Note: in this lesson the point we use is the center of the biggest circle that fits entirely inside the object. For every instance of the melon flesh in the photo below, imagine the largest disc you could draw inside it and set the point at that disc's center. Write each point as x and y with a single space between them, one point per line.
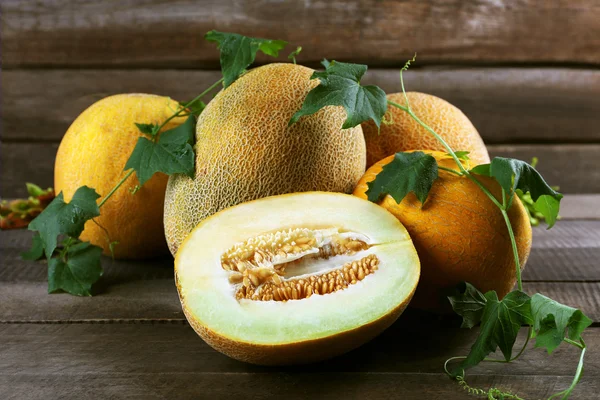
281 331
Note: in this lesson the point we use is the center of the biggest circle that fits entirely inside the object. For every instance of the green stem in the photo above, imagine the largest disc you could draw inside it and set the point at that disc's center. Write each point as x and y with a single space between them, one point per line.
189 103
118 185
496 360
513 243
574 343
438 137
450 170
566 393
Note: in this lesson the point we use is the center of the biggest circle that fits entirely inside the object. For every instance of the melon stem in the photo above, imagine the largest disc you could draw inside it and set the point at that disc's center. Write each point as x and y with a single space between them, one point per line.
117 186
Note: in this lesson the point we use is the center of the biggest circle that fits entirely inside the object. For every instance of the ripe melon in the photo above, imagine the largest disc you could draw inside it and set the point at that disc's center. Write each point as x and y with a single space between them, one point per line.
459 233
403 133
245 149
94 151
295 278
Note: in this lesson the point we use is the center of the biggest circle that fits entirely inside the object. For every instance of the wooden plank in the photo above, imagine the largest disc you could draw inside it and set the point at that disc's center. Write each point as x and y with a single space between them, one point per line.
567 252
156 361
156 300
507 105
575 168
580 206
277 386
158 33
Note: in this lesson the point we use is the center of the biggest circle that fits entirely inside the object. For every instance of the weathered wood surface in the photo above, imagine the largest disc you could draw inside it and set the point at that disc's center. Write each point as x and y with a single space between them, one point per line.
132 341
507 105
563 265
158 33
575 168
170 361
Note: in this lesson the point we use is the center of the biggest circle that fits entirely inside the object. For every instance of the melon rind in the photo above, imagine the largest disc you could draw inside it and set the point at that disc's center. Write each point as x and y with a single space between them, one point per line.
270 332
245 149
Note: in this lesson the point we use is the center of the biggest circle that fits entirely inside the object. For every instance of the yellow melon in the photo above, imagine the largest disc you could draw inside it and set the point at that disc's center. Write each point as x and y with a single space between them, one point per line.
460 235
94 151
403 133
245 149
295 278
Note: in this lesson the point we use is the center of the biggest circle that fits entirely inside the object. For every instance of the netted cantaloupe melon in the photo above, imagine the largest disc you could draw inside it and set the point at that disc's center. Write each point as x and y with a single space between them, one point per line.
245 149
459 233
295 278
402 133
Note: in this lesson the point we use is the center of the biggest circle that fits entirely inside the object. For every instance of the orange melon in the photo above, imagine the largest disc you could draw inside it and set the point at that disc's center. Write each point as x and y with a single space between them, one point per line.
459 234
403 133
94 151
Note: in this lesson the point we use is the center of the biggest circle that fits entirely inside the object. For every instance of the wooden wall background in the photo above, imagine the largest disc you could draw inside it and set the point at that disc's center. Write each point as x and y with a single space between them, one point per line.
525 71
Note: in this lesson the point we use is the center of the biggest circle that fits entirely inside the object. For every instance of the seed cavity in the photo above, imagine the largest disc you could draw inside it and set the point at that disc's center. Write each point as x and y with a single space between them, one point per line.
257 267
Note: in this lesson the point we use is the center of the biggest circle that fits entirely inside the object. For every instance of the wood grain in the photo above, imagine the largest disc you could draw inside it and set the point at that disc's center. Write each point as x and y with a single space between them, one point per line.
575 168
278 385
507 105
567 252
157 361
563 265
157 33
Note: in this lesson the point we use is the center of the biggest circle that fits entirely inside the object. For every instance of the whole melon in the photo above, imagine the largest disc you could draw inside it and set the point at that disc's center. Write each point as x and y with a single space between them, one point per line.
403 133
245 149
94 151
459 234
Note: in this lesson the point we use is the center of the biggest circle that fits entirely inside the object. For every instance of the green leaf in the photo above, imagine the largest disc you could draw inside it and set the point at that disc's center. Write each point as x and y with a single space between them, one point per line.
195 108
34 190
171 154
65 218
469 304
514 174
553 321
461 155
340 86
76 271
294 54
37 249
500 325
238 52
407 172
148 129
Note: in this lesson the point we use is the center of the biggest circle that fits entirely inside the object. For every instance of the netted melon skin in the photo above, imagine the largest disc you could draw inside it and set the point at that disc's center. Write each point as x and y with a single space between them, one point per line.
403 133
245 149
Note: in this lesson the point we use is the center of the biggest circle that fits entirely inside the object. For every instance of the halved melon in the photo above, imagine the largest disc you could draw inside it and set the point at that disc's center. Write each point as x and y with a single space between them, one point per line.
295 278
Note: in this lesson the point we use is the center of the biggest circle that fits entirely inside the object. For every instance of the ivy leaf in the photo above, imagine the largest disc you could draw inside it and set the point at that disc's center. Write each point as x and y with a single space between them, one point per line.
407 172
461 155
65 218
469 304
148 129
195 108
514 174
171 154
37 249
340 86
76 271
292 56
553 321
238 52
34 190
500 325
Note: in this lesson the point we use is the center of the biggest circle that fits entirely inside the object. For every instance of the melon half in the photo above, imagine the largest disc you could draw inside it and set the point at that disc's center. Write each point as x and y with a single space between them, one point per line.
295 278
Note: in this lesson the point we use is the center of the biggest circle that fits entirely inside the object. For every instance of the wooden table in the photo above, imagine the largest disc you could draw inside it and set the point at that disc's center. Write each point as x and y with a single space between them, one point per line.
132 341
